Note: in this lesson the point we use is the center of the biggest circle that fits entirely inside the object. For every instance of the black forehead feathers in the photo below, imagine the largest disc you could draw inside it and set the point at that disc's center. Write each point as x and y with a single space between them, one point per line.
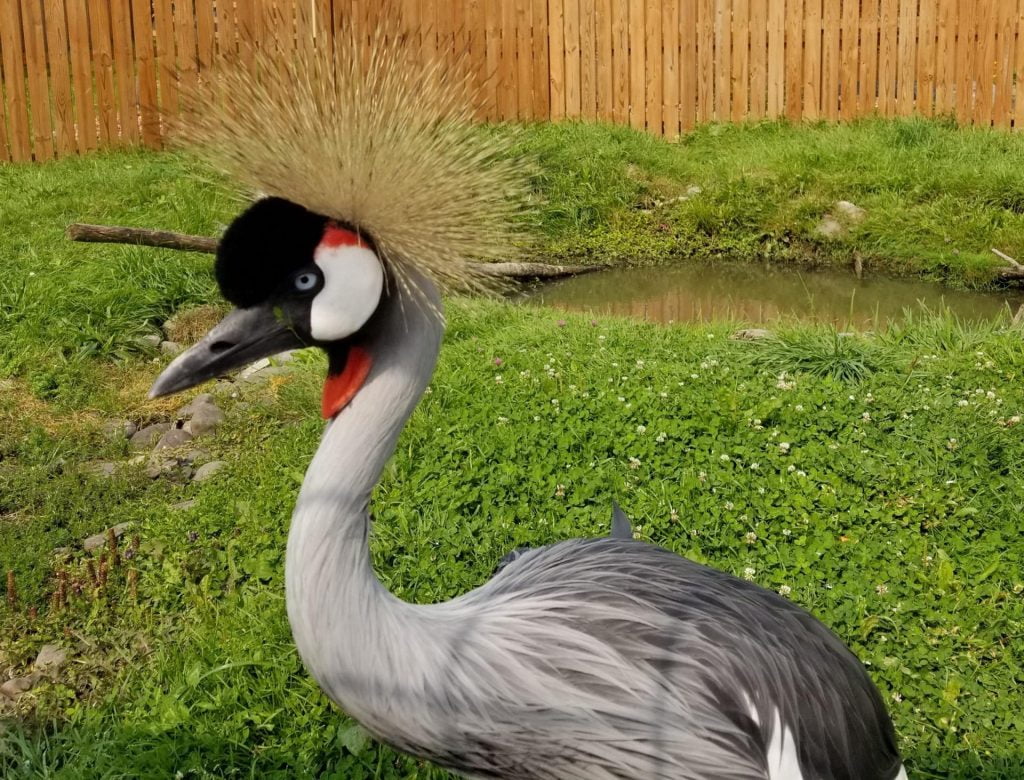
266 243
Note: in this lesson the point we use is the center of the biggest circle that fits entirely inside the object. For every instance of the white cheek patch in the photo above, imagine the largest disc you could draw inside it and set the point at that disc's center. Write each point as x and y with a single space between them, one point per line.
353 282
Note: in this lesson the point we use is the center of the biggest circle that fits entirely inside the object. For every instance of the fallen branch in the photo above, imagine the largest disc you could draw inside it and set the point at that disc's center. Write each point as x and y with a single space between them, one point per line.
1014 271
166 239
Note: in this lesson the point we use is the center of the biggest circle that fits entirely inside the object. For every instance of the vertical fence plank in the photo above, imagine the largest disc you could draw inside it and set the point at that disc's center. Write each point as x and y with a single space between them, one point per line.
758 58
812 59
776 57
5 143
723 60
966 46
38 91
524 59
60 77
907 35
185 37
670 68
637 65
945 57
507 63
540 58
1005 45
145 64
588 59
654 64
888 26
206 36
124 58
167 73
605 59
830 56
556 50
849 44
19 132
227 27
927 31
794 58
620 61
984 65
1018 98
706 60
687 64
740 59
81 75
573 60
868 69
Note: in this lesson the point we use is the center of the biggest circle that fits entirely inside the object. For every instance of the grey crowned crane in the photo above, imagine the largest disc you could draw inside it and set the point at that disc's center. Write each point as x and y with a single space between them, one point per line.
590 658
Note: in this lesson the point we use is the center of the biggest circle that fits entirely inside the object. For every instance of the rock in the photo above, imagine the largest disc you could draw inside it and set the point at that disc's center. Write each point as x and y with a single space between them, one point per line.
283 357
829 227
171 348
12 689
253 369
96 541
264 374
173 468
175 437
195 456
206 471
752 334
50 659
103 468
183 506
190 408
149 341
148 436
204 419
851 212
116 429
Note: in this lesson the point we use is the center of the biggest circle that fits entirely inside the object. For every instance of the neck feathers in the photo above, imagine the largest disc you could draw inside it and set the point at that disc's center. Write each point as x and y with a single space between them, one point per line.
349 630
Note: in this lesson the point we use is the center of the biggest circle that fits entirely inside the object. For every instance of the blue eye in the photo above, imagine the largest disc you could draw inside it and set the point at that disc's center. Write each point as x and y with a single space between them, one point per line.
306 281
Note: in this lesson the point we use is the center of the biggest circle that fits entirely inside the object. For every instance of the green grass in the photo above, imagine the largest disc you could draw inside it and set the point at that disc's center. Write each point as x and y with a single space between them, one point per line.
895 514
937 197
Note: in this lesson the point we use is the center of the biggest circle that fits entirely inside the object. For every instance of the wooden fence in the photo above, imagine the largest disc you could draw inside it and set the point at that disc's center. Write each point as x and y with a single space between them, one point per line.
81 74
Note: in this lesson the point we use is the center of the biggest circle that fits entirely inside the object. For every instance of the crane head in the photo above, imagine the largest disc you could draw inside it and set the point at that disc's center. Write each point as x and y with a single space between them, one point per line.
297 279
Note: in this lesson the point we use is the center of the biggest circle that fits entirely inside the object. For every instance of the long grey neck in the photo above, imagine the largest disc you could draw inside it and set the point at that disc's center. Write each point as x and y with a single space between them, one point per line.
349 629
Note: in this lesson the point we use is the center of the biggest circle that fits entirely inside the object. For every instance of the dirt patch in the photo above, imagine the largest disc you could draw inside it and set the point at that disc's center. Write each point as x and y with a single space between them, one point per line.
188 326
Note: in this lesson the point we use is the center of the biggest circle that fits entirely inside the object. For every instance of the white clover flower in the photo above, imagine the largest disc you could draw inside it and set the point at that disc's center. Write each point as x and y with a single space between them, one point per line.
785 590
750 537
536 418
729 506
673 516
498 379
963 402
784 447
755 466
663 394
1015 420
502 420
786 532
634 463
641 429
639 364
791 468
801 473
554 402
749 572
990 395
881 590
559 491
724 458
660 438
896 697
866 416
622 399
799 407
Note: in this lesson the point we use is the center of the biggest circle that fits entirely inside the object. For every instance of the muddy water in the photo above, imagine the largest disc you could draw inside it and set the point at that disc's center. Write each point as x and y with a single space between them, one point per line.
755 294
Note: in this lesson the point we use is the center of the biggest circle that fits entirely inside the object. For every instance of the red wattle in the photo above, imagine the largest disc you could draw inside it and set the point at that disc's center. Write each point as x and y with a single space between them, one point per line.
341 388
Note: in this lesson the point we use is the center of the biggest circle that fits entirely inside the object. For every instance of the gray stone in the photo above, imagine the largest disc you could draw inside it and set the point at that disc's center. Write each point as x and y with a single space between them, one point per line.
103 468
283 357
196 456
115 429
50 658
254 369
148 436
264 374
851 212
12 689
175 437
96 541
752 334
149 341
200 400
830 227
171 348
183 506
206 471
172 468
204 419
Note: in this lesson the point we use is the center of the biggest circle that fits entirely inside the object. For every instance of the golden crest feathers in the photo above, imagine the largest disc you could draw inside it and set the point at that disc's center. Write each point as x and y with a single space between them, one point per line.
354 127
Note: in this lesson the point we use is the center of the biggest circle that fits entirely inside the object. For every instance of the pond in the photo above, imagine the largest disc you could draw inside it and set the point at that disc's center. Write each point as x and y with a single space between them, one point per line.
758 294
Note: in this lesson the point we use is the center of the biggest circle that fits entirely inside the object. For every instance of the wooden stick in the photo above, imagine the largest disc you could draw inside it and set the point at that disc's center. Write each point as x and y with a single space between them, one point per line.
1007 258
166 239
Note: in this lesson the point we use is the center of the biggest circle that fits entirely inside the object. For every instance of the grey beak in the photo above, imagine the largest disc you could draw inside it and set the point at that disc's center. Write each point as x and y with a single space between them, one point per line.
242 337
